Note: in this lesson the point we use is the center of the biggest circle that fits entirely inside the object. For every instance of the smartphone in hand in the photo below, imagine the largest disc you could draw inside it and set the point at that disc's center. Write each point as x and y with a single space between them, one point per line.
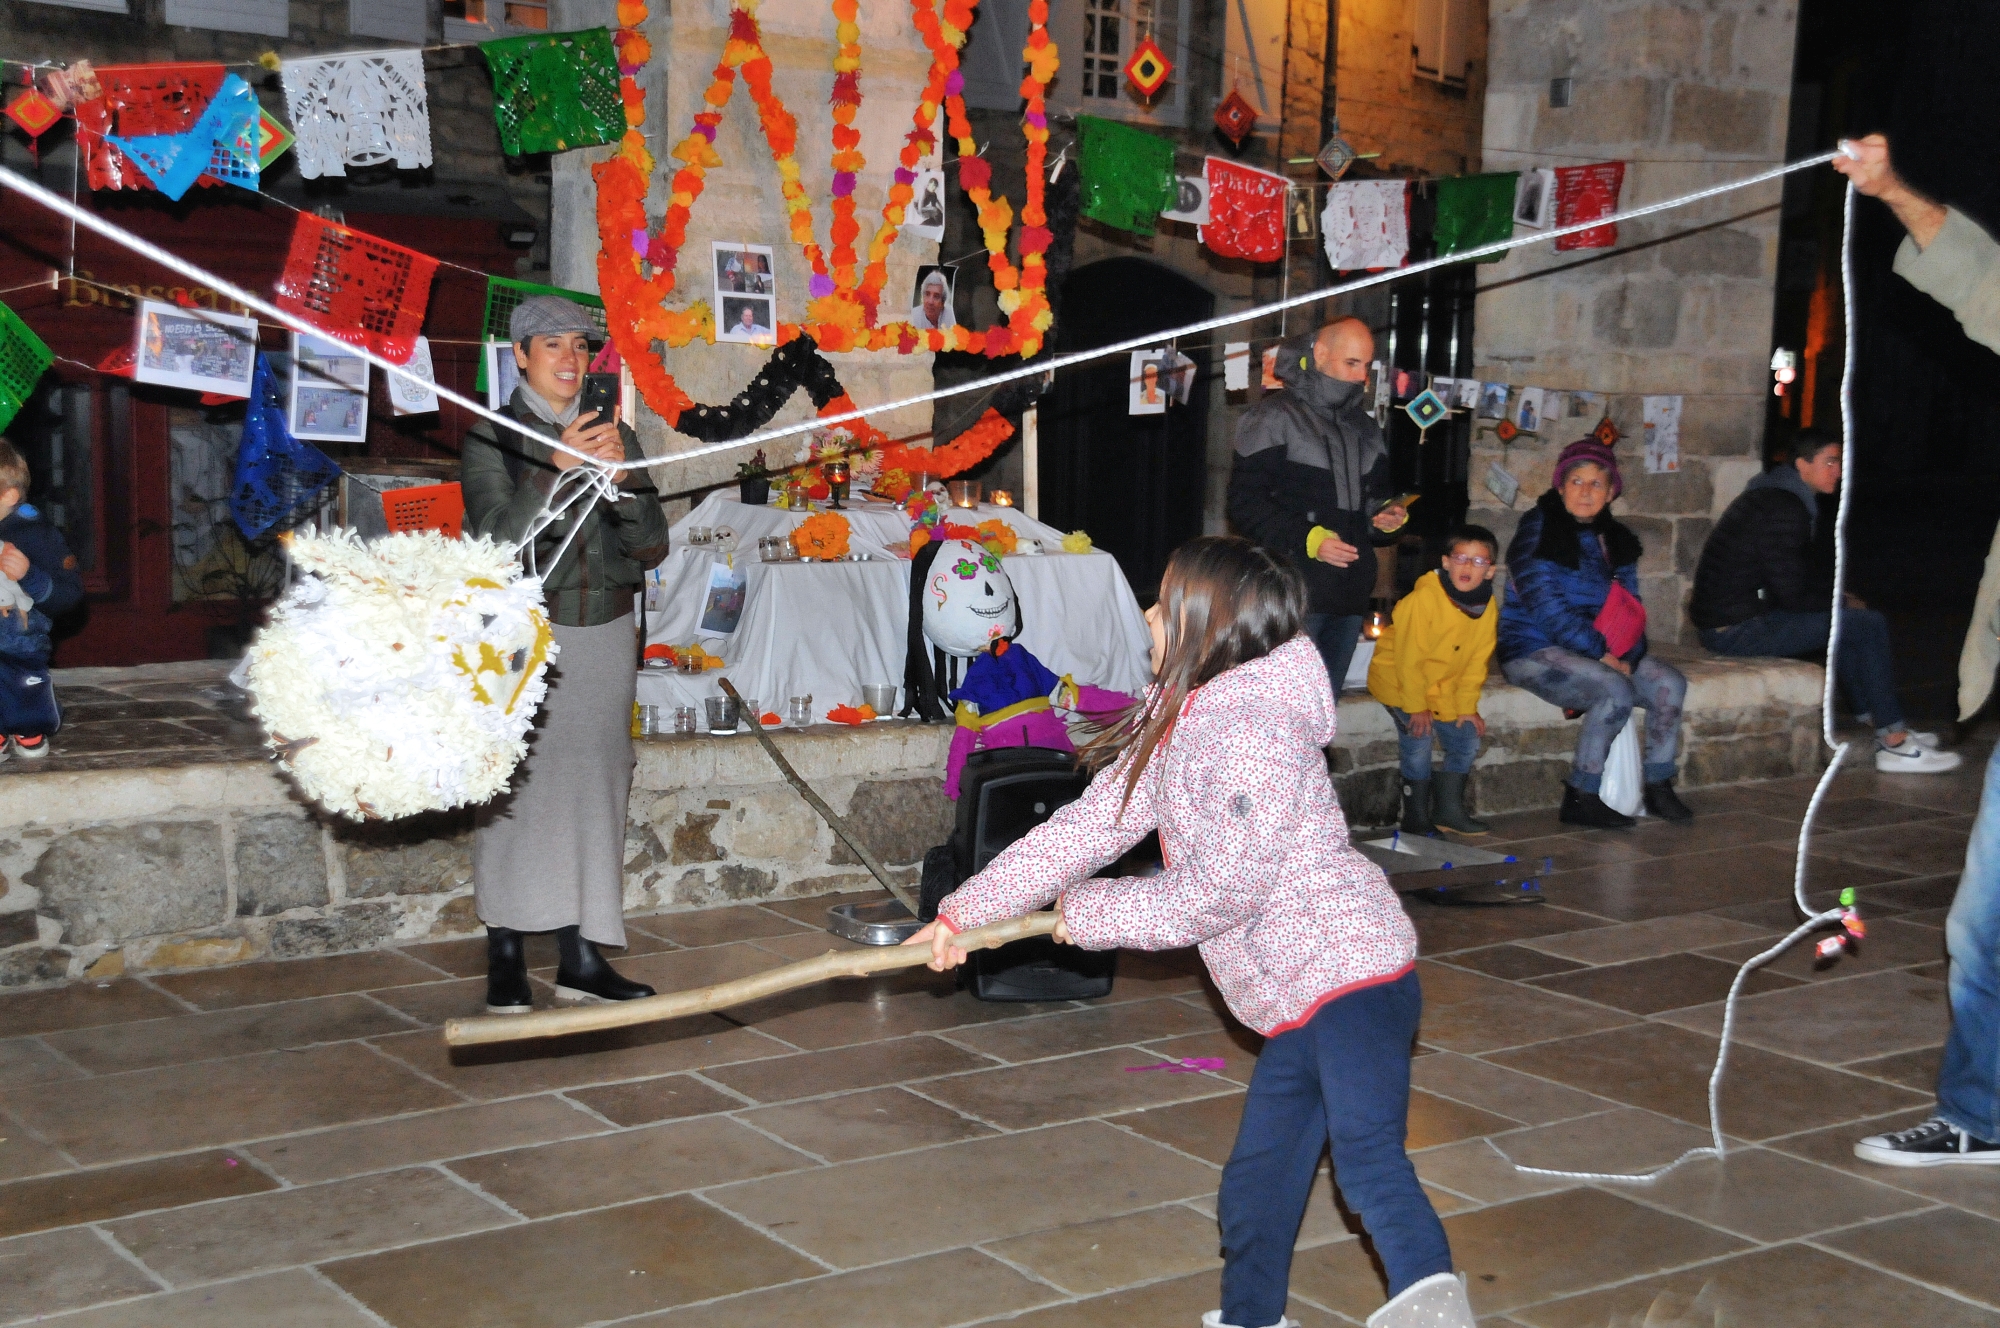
600 394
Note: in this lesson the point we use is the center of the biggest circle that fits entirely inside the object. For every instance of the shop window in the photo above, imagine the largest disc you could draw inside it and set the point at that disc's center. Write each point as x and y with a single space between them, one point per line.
61 432
397 20
482 20
271 18
100 6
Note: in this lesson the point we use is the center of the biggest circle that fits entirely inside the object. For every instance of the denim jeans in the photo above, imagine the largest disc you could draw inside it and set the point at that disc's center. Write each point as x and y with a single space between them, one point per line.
1969 1078
1459 739
1345 1074
1606 697
1336 635
1863 667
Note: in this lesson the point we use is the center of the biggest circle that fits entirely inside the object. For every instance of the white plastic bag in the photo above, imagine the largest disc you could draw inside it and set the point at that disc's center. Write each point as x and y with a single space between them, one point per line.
1624 780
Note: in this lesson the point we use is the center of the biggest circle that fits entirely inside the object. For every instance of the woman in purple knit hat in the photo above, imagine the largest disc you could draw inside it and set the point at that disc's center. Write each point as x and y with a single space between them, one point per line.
1573 632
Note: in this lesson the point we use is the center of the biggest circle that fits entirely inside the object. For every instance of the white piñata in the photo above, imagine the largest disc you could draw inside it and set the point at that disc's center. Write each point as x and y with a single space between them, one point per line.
401 675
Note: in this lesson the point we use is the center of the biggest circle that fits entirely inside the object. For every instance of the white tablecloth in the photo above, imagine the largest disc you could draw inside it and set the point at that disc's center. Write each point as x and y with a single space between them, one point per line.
825 629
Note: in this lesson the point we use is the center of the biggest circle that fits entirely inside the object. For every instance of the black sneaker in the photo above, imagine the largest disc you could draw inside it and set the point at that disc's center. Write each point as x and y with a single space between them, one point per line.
1935 1143
1663 802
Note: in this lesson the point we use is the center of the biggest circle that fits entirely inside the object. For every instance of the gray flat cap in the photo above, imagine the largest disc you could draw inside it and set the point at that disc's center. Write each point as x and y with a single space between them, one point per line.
547 316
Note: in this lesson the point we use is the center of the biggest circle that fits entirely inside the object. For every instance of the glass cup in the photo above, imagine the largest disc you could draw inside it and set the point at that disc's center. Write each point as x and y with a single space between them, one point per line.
964 493
879 697
722 713
649 720
686 719
748 711
799 711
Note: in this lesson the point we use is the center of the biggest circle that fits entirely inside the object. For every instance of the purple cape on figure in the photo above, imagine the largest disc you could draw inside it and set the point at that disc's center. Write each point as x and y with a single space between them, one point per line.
1005 701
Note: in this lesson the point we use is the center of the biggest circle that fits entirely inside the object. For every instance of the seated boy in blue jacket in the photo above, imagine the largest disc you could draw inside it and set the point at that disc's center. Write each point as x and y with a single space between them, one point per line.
38 582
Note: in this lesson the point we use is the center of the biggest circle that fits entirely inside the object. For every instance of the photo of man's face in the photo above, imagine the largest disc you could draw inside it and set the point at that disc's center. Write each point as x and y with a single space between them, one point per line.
933 300
1149 382
748 320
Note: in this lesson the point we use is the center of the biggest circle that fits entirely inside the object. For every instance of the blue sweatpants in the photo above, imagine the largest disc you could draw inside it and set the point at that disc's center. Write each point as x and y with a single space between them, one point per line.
1344 1077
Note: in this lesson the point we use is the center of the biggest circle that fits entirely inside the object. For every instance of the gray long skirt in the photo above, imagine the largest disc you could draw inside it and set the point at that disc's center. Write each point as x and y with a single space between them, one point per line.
551 852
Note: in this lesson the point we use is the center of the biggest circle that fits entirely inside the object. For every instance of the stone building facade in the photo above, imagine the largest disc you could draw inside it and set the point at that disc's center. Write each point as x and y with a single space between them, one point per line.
1687 96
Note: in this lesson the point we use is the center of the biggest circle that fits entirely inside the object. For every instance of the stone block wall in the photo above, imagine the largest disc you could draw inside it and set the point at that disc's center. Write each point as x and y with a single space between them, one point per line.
175 867
1745 719
1687 96
187 866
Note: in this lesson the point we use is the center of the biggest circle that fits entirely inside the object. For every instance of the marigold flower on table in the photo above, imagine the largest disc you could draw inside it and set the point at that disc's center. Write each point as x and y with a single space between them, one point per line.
823 535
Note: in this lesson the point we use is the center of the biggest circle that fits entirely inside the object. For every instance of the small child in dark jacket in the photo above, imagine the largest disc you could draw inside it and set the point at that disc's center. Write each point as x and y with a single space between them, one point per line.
38 582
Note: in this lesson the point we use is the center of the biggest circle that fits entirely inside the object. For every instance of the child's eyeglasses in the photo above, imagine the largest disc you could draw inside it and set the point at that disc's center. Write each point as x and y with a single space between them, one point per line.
1468 560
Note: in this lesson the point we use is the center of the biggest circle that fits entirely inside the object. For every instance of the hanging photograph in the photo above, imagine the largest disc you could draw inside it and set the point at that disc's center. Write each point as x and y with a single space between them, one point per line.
502 374
1555 409
1179 377
1268 370
746 318
198 349
1148 392
1528 411
742 269
409 396
1465 394
1586 406
329 397
1190 200
1492 401
1535 199
930 305
925 216
1236 366
1662 417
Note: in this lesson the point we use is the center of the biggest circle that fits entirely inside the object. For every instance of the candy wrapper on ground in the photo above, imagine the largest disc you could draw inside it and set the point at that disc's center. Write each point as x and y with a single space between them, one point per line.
401 675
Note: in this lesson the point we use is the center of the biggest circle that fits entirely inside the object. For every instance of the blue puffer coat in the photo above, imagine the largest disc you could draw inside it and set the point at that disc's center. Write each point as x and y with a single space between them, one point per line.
1558 573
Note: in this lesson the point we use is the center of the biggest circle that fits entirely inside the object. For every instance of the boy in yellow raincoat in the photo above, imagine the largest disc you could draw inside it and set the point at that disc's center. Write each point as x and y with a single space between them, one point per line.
1428 669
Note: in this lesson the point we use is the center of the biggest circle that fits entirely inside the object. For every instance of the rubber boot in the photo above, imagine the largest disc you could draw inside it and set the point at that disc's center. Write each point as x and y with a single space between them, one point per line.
507 989
583 974
1448 806
1663 802
1417 808
1587 809
1439 1301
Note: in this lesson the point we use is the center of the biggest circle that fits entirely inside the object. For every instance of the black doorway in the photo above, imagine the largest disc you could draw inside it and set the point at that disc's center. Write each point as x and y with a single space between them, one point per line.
1133 481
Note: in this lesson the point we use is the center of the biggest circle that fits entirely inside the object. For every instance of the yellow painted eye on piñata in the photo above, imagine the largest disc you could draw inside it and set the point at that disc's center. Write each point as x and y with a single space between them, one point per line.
822 536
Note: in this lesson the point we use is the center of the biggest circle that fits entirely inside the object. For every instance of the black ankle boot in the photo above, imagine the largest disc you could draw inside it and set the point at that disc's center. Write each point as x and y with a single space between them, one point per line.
1663 802
1417 808
507 989
1587 809
583 974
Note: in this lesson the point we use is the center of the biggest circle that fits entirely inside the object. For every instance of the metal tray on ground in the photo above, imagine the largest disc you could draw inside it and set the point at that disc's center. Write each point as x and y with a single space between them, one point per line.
1411 853
885 923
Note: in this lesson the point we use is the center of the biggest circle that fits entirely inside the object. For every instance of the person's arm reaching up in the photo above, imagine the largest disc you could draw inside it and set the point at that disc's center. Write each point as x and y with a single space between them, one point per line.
1947 257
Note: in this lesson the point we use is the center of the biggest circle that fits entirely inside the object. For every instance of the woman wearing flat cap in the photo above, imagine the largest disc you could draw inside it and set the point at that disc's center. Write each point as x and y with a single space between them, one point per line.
550 854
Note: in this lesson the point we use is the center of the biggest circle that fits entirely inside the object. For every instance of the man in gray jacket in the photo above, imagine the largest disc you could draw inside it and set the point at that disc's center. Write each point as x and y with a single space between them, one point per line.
1949 258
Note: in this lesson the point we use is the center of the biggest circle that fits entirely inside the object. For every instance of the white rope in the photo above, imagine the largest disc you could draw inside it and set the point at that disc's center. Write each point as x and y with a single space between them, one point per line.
1029 369
1814 920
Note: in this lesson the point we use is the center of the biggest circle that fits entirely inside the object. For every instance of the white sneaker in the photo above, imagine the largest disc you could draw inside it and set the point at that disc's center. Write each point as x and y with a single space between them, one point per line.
1923 739
1911 757
1439 1301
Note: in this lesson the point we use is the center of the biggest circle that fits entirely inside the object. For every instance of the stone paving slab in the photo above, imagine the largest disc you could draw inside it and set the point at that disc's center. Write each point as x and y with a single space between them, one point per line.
290 1141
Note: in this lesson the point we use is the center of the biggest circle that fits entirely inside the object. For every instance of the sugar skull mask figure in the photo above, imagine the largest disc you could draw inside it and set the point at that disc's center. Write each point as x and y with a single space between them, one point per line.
968 601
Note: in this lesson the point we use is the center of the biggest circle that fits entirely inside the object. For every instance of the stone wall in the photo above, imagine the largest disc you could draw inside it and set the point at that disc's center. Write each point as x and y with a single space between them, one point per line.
187 866
1687 96
1419 125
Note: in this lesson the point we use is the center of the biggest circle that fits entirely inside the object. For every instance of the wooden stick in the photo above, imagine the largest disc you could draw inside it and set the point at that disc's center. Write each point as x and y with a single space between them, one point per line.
740 991
828 814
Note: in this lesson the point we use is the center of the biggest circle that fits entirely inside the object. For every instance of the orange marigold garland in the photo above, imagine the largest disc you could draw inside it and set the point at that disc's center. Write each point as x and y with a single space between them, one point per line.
843 308
956 457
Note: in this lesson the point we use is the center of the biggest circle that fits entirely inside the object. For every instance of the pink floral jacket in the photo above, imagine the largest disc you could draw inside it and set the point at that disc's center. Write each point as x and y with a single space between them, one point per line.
1260 872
